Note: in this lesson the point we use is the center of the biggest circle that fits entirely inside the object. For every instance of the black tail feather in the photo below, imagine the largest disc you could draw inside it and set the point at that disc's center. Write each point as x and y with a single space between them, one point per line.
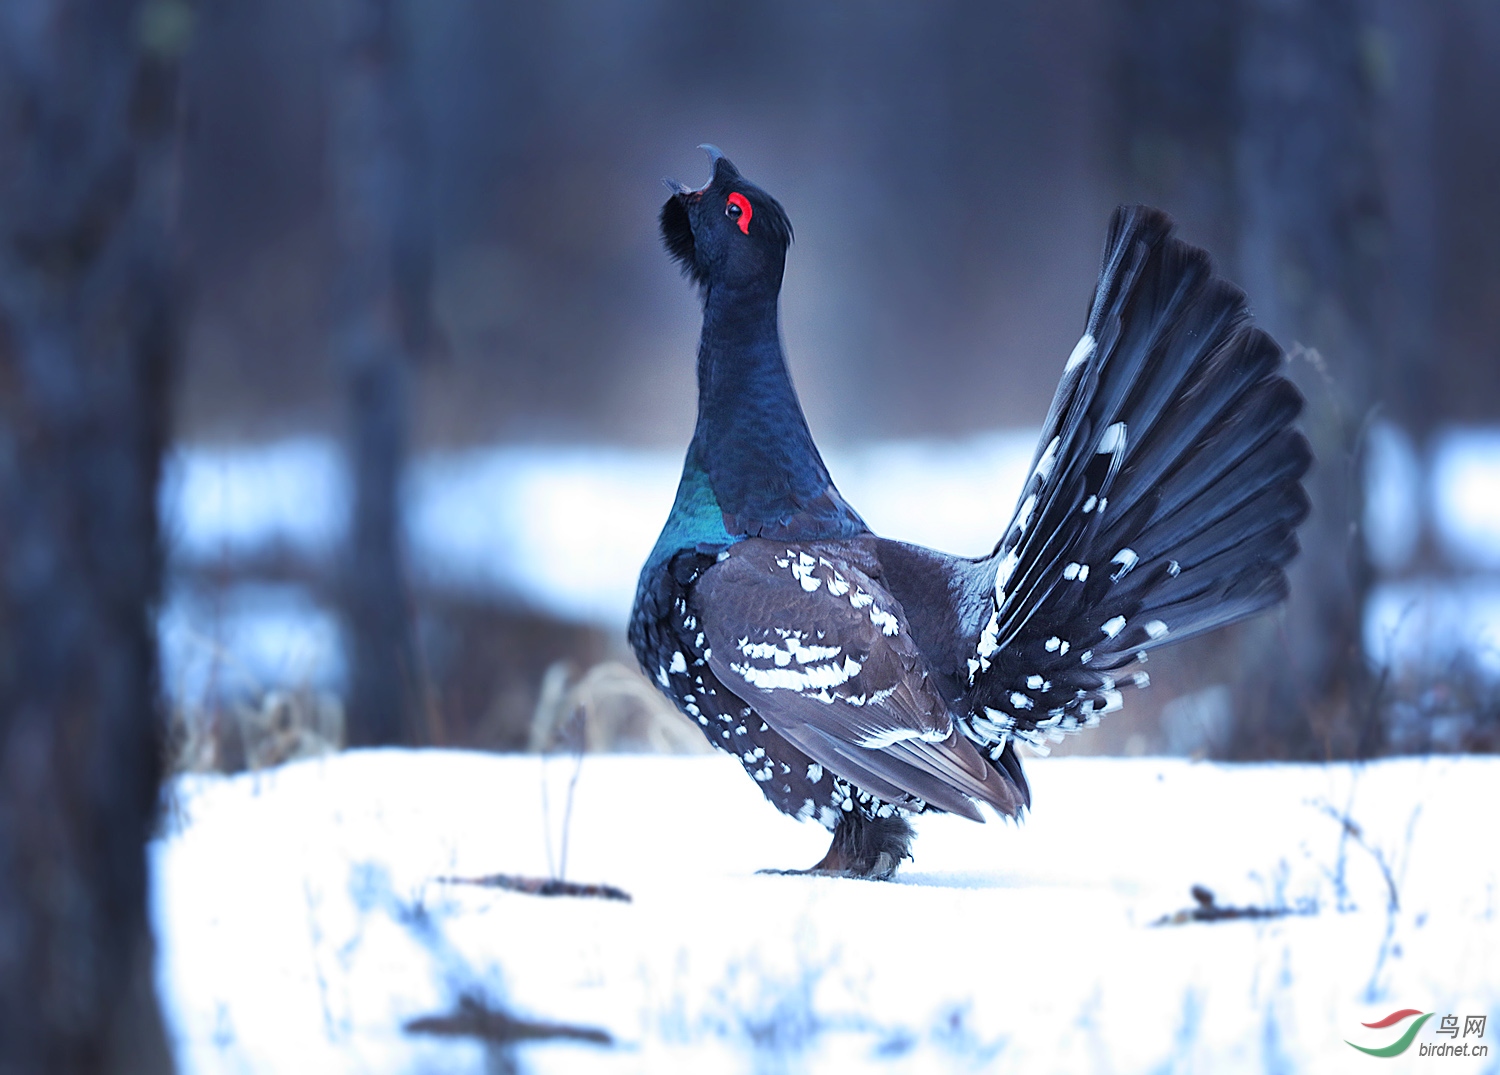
1165 493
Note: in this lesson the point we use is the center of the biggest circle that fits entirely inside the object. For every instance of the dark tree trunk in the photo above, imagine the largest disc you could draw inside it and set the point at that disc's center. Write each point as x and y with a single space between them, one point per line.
1314 236
382 322
87 338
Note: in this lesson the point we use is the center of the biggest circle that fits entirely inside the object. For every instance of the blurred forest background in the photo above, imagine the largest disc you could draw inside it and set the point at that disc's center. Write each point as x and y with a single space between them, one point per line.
376 287
950 169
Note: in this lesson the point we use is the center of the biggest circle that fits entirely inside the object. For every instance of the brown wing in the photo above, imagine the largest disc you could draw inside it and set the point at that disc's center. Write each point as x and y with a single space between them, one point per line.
823 653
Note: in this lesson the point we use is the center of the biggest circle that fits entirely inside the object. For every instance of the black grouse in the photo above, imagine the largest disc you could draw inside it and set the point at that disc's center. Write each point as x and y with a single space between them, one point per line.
861 680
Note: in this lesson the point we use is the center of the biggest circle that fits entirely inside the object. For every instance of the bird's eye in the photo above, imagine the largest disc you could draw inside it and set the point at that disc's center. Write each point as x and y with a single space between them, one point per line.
738 209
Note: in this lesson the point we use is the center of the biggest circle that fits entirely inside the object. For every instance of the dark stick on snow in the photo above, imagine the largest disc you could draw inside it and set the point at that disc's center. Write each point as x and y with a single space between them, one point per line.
540 886
1208 910
475 1019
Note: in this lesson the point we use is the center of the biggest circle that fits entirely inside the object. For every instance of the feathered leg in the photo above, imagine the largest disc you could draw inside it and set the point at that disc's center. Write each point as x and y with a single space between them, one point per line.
863 847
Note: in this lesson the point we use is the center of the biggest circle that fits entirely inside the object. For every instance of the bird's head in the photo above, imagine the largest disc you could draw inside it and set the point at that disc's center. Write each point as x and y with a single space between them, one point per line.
727 231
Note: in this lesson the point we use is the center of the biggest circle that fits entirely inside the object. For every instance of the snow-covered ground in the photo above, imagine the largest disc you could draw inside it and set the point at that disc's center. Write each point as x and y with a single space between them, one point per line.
302 919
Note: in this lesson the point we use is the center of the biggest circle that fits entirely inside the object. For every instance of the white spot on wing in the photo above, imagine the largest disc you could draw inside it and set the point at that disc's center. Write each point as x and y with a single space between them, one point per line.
884 738
679 664
802 571
1127 559
813 677
1113 625
1155 628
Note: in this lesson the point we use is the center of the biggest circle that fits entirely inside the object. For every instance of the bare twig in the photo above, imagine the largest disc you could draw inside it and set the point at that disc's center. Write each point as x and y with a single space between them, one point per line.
1207 909
475 1019
567 825
540 886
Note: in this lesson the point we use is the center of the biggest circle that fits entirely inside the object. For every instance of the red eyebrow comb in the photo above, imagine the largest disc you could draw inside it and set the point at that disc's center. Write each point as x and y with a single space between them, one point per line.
745 211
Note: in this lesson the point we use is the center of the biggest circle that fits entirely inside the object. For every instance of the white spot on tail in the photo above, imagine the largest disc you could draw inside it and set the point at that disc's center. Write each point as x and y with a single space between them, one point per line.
1003 573
1023 516
1081 352
1049 458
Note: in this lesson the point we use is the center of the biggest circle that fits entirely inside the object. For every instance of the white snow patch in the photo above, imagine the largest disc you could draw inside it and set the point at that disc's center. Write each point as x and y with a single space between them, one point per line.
245 639
1466 495
1393 496
224 503
1426 623
300 919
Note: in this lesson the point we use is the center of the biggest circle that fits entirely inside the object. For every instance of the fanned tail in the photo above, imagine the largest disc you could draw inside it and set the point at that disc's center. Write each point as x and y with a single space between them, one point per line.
1163 499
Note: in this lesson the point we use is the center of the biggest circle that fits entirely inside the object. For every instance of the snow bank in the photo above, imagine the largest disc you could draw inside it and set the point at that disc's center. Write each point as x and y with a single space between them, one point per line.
302 920
565 529
1466 495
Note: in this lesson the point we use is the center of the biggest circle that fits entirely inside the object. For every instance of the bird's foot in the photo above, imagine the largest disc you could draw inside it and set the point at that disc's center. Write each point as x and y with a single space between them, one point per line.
882 869
870 849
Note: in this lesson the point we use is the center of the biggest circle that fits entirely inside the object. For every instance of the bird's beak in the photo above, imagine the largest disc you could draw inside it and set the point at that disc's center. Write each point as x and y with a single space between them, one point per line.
715 155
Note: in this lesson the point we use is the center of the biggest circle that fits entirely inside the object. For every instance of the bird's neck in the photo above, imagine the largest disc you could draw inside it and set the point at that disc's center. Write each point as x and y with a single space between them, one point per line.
752 442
